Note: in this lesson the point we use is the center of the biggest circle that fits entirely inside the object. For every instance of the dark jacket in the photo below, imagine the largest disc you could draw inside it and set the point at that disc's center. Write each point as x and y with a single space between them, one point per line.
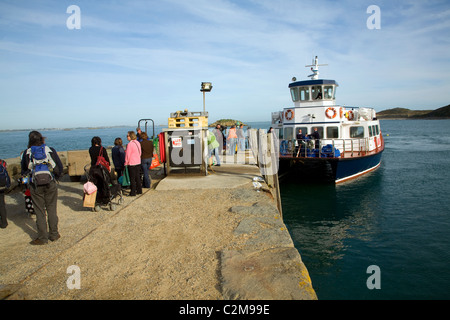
147 149
95 151
118 156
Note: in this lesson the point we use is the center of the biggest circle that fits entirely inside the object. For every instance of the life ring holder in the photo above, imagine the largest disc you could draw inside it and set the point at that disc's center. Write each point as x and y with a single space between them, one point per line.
328 114
289 114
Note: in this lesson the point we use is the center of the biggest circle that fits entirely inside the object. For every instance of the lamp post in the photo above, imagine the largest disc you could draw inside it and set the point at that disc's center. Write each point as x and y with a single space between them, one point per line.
206 87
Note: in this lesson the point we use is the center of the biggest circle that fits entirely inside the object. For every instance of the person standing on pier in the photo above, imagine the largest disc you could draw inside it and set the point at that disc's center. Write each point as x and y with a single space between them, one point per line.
231 140
133 161
241 137
5 183
146 159
97 149
118 156
44 192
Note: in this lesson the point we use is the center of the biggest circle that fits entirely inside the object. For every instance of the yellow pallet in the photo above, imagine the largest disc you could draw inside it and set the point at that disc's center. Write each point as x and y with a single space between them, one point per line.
188 122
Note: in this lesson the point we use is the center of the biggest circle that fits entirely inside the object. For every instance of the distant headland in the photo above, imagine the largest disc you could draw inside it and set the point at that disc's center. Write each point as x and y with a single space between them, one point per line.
227 123
403 113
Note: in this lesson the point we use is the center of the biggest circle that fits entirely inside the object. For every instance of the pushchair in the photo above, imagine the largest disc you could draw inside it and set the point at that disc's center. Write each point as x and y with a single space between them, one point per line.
107 190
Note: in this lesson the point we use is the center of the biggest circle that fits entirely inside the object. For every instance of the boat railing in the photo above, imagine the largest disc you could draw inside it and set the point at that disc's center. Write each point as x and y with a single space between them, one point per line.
324 148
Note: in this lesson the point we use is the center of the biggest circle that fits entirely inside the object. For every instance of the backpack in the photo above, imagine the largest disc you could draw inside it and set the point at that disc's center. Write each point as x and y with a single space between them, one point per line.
40 165
5 181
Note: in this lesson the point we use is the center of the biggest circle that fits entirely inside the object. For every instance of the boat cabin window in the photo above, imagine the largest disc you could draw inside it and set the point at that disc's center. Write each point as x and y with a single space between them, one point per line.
288 133
304 94
332 132
313 93
328 92
300 94
304 131
370 131
356 132
317 92
377 130
295 94
319 130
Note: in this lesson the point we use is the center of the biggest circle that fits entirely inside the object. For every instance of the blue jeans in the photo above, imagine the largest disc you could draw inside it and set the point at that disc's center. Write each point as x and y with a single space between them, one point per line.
216 153
241 144
232 145
146 163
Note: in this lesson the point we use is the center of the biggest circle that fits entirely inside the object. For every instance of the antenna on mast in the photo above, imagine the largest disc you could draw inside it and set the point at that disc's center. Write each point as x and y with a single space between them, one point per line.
315 68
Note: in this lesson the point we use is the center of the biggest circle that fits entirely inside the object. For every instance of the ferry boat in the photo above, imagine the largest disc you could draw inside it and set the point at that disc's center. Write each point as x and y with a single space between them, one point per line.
321 140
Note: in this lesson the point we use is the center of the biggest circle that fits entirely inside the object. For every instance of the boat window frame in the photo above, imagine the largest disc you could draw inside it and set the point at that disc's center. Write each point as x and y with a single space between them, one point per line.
307 93
314 95
295 94
377 127
286 134
304 131
332 137
370 131
358 135
301 93
325 92
319 129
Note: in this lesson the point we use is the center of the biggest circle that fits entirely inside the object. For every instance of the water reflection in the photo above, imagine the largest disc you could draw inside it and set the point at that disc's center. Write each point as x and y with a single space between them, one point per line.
325 220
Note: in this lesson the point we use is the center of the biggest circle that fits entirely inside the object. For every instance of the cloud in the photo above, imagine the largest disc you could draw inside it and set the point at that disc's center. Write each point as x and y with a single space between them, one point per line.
158 52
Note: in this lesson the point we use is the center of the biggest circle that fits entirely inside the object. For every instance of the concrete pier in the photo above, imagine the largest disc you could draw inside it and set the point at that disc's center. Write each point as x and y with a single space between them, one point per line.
191 237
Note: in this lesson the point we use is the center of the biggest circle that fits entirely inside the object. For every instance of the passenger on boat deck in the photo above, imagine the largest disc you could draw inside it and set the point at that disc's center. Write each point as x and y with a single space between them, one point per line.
300 135
316 136
300 141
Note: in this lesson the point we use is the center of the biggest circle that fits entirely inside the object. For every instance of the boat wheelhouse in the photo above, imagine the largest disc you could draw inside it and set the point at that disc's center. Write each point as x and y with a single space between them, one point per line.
323 140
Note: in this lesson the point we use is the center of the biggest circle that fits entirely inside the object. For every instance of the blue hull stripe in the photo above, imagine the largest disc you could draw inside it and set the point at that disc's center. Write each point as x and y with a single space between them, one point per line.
332 169
355 166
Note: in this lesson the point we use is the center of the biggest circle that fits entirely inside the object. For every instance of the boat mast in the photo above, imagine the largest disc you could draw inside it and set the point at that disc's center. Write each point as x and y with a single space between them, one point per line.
315 69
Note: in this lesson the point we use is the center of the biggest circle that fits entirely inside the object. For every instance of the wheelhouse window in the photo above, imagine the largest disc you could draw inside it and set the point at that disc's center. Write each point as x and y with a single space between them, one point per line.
328 92
295 94
356 132
300 94
332 132
377 130
317 92
370 131
304 94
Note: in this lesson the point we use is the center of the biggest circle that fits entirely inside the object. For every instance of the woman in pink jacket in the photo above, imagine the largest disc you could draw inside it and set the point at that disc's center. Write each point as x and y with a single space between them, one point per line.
133 161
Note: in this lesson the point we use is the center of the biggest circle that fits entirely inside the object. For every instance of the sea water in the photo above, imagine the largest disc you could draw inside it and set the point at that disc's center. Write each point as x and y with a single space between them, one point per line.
396 218
13 142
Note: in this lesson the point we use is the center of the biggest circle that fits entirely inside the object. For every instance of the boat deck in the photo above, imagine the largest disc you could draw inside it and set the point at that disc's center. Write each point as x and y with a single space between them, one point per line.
343 155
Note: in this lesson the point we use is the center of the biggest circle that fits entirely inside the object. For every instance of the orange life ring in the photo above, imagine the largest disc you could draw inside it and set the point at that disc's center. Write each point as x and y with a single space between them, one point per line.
350 115
334 113
289 114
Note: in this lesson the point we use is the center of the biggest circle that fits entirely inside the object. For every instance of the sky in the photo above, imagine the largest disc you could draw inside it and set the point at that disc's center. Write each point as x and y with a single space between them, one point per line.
136 59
